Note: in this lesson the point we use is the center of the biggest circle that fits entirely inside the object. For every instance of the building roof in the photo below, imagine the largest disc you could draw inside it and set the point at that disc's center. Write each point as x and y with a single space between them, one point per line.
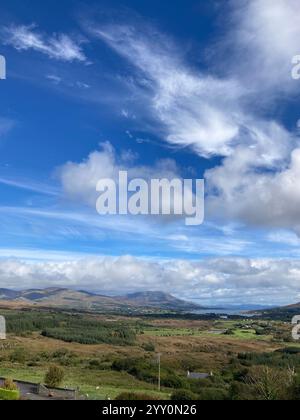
195 375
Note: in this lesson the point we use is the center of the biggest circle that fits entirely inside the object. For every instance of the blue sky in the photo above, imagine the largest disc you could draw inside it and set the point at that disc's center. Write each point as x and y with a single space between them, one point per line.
189 88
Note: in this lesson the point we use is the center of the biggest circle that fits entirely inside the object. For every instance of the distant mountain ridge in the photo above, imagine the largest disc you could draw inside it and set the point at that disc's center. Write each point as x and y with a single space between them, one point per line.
83 300
292 307
156 299
280 312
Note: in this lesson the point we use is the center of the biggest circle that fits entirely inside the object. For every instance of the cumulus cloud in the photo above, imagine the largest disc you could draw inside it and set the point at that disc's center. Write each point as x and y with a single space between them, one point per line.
57 46
213 281
79 180
266 199
264 37
258 185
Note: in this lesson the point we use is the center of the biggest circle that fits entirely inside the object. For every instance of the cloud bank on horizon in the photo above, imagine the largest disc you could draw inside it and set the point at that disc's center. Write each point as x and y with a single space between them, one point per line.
214 281
230 115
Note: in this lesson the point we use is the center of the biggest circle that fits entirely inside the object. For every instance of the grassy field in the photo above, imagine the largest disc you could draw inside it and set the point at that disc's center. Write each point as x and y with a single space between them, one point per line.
98 385
172 332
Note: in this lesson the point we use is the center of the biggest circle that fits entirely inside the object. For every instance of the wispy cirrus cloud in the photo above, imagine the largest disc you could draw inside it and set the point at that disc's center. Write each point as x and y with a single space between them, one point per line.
56 46
191 107
284 237
212 115
30 185
54 225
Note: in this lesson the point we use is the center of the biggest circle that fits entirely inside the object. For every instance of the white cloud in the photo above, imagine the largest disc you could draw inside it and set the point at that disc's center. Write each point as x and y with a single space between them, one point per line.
79 180
210 114
256 183
38 255
259 184
194 109
54 79
212 281
265 35
29 185
82 85
57 46
284 237
52 225
239 191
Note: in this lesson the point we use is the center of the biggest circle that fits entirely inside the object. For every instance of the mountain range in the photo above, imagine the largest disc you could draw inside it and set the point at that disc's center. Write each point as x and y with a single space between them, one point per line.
82 300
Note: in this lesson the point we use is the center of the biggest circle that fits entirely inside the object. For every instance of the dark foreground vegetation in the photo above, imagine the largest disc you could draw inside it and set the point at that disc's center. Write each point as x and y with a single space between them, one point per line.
249 376
70 328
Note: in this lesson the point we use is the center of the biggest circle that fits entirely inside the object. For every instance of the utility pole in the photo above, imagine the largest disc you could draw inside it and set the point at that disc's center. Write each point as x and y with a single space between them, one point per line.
159 370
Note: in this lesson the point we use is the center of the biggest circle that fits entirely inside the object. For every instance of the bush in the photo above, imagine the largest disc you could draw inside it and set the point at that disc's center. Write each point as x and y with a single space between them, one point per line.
172 380
183 395
289 350
140 368
18 356
132 396
64 357
146 371
54 377
9 395
149 347
95 364
294 390
240 391
213 394
10 385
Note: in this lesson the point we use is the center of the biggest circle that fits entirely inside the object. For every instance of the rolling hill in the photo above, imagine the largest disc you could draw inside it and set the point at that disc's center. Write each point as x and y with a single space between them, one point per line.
283 313
86 301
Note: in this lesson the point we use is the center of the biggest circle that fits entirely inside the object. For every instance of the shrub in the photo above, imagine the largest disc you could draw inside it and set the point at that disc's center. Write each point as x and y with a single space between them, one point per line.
9 395
294 391
269 384
289 350
140 368
95 364
149 347
54 376
213 394
65 357
240 391
10 385
132 396
172 380
146 371
183 395
18 356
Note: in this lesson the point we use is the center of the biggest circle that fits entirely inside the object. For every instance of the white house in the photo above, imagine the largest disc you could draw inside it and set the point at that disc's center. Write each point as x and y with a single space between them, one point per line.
2 328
